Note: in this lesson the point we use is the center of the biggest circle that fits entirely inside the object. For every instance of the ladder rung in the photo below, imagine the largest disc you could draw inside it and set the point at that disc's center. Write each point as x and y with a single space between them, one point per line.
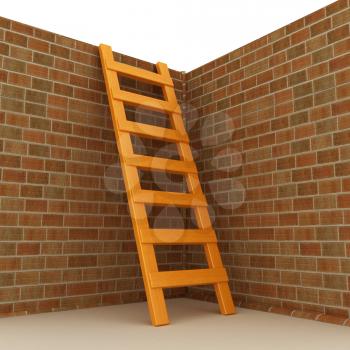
169 279
169 198
178 236
171 165
139 73
151 131
146 101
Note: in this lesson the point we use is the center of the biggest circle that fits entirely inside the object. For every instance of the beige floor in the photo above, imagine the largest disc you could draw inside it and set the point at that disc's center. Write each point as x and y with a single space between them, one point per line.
195 325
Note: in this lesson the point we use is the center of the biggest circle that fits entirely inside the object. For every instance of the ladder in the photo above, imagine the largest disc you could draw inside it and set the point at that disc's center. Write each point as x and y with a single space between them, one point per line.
138 198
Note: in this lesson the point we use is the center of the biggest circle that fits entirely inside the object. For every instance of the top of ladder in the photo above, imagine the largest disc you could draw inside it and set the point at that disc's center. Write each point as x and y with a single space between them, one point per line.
131 71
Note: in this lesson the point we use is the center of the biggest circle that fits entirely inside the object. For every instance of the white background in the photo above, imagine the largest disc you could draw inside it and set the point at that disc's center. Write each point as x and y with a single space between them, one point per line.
182 33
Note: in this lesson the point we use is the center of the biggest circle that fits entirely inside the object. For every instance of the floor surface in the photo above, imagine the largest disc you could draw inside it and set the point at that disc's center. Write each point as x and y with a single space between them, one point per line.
195 325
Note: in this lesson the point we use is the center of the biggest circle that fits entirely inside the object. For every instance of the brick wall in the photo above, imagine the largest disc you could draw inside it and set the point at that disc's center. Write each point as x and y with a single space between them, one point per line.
65 235
270 123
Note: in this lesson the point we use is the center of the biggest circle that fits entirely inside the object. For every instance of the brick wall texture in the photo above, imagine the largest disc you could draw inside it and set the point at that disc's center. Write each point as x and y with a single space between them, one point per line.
269 125
65 234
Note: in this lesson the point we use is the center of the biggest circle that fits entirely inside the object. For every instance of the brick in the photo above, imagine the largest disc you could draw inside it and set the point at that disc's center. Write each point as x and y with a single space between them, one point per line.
36 205
4 49
10 161
12 92
22 28
345 266
333 249
35 109
36 96
300 36
318 70
342 47
42 84
3 76
339 63
52 220
325 202
342 169
9 264
310 279
286 163
307 295
303 174
343 201
324 83
323 172
9 294
60 51
10 132
12 204
316 43
321 141
281 44
54 291
81 288
38 71
341 107
82 261
336 7
311 249
335 282
278 84
12 105
303 103
14 65
338 34
38 45
32 292
301 146
325 126
343 91
329 297
341 18
299 118
27 277
288 219
327 156
320 27
39 150
302 90
302 204
31 191
322 55
43 59
15 38
14 175
19 79
7 249
331 217
6 279
328 265
296 51
21 54
329 186
297 78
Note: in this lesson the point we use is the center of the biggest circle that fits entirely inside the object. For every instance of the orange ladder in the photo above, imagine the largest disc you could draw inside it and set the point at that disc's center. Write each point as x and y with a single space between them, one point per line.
146 237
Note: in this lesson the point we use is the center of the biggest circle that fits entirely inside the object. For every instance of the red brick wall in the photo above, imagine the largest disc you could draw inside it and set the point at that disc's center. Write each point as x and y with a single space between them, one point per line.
65 235
271 125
